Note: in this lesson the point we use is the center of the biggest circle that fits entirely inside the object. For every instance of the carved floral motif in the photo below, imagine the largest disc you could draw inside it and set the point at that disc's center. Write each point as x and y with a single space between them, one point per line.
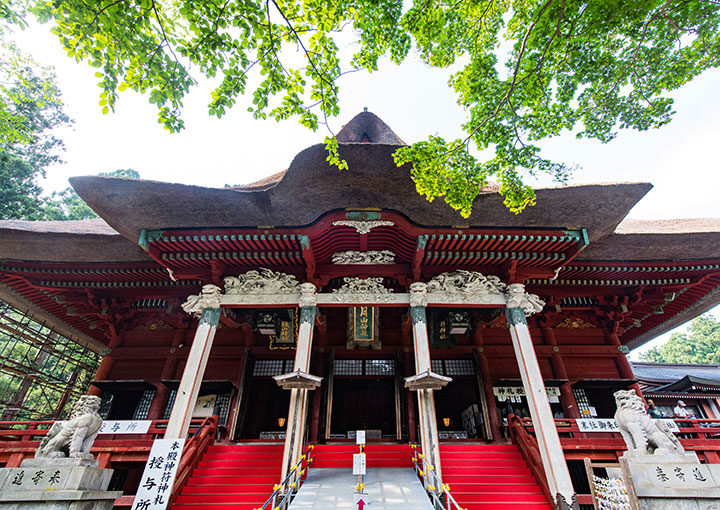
151 325
363 227
575 323
264 281
363 257
466 282
362 286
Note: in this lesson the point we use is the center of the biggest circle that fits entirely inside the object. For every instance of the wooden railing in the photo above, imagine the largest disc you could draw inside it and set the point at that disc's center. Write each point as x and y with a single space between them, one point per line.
193 451
20 439
528 446
699 436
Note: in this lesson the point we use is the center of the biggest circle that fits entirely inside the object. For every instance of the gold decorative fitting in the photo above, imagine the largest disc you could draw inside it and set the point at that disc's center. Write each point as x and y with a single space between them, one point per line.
575 323
153 326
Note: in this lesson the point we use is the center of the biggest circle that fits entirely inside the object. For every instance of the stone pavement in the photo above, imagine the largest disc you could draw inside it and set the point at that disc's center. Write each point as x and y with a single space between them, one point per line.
387 488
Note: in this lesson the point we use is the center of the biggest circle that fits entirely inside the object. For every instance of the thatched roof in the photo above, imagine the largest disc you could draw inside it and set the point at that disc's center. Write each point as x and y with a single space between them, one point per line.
66 241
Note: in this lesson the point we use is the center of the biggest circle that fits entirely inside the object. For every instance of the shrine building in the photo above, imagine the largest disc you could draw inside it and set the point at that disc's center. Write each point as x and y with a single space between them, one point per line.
316 302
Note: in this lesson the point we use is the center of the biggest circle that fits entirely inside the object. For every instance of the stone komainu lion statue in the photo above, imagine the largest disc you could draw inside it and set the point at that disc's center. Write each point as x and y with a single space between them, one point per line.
75 437
642 434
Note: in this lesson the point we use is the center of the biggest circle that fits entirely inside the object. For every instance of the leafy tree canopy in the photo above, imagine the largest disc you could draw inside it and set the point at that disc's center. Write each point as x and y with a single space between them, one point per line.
701 344
529 69
30 110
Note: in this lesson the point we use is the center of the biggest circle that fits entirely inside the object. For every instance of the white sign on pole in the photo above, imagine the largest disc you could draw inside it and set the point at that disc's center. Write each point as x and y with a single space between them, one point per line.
159 475
359 465
360 437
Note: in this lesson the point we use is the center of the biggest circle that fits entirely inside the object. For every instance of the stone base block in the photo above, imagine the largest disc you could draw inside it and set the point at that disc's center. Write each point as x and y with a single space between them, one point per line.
679 504
674 478
59 500
53 478
56 486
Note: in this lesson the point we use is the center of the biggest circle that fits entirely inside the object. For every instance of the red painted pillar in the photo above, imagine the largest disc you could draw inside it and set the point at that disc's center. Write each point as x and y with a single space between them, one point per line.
106 365
567 399
622 363
317 401
489 397
157 408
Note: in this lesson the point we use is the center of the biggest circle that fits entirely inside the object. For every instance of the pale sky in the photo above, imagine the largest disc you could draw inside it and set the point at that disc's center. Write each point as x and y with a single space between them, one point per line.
680 159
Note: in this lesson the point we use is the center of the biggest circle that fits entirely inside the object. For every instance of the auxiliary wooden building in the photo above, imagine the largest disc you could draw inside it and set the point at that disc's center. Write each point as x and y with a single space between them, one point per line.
332 301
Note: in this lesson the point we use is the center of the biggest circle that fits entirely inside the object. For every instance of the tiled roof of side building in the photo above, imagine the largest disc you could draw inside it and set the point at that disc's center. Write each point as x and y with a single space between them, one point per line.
670 372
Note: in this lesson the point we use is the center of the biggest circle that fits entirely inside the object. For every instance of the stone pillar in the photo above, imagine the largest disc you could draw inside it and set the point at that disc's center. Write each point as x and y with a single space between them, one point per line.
424 381
520 304
206 306
300 381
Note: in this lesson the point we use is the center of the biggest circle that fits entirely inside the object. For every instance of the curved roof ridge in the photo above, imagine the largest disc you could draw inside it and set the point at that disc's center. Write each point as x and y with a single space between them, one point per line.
366 127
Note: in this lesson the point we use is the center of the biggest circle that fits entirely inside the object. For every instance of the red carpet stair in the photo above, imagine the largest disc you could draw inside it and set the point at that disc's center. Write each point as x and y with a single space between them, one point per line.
235 477
490 477
378 456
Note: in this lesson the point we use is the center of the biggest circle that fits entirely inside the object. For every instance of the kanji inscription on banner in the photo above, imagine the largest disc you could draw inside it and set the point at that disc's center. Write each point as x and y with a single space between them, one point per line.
157 479
124 426
609 425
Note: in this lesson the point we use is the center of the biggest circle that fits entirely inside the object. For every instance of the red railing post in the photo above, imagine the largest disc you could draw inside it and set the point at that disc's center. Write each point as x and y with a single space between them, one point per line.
195 447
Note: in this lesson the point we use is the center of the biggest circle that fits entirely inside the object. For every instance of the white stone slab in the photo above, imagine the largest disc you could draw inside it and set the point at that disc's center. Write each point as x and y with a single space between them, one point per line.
387 489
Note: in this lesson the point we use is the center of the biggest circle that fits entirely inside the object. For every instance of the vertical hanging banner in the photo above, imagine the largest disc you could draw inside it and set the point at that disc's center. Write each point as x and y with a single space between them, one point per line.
363 330
363 327
159 475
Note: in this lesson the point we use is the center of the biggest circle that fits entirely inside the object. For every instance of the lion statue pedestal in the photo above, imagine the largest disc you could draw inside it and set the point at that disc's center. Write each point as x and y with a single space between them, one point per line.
665 477
63 475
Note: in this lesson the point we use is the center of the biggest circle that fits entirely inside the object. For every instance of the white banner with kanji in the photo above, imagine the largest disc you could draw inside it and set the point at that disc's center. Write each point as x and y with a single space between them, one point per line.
159 475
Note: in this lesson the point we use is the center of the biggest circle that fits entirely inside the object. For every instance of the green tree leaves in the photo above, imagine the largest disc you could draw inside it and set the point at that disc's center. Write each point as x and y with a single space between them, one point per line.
531 69
30 110
701 344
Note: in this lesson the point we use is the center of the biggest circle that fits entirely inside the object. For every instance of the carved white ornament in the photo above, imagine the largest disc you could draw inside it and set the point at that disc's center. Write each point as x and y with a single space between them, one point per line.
466 282
363 257
209 297
308 295
418 294
642 434
363 227
516 297
371 287
75 437
264 281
